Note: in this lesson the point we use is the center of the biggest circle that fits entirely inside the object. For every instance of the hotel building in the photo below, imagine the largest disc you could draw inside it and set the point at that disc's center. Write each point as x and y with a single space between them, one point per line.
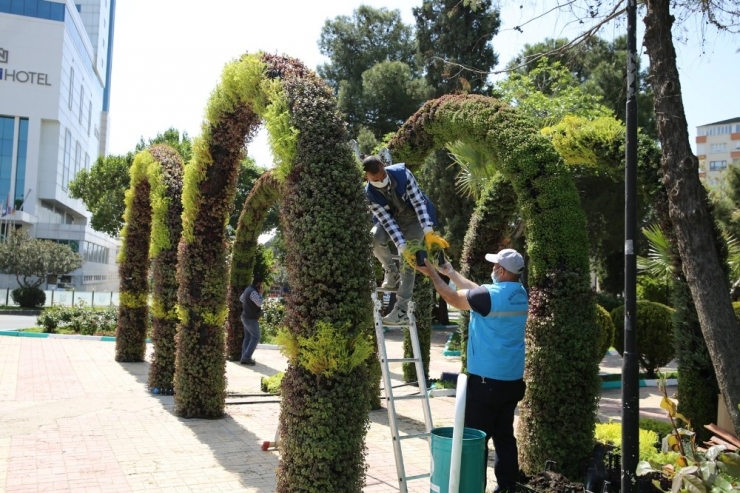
717 147
55 70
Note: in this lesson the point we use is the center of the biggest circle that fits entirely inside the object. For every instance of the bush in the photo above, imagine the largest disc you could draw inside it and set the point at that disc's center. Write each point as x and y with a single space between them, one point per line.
611 433
654 335
651 289
273 311
78 319
271 385
661 428
604 320
608 300
29 297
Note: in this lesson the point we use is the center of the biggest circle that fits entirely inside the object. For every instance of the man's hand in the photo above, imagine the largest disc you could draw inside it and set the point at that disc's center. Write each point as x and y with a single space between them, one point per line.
427 269
445 269
432 238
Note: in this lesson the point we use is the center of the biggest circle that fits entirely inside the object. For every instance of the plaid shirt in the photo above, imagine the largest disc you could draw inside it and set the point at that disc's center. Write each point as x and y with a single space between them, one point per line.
384 217
256 298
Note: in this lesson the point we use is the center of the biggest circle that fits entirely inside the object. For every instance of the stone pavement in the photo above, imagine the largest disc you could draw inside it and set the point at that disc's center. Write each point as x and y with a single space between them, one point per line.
72 419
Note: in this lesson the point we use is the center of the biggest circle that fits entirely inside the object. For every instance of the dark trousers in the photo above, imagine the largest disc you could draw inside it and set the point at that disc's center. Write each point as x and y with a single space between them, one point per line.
251 337
489 407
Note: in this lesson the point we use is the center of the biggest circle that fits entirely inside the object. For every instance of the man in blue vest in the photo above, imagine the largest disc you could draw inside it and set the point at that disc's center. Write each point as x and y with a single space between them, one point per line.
251 300
498 315
401 213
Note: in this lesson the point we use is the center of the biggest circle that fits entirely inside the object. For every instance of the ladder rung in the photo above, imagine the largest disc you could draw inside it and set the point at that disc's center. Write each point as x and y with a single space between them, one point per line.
402 360
386 290
418 476
415 435
408 397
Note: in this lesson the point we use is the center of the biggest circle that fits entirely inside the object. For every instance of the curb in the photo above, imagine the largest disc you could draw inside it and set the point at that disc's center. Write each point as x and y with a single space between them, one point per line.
617 384
446 351
45 335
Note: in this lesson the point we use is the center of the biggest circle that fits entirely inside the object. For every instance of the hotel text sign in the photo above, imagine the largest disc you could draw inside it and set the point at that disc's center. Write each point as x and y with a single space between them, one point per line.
20 76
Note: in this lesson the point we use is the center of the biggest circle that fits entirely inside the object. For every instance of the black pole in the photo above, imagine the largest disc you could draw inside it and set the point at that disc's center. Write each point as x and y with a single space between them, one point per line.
630 367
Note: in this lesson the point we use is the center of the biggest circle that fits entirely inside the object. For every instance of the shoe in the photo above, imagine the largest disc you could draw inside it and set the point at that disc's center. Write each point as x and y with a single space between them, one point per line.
397 316
248 362
390 281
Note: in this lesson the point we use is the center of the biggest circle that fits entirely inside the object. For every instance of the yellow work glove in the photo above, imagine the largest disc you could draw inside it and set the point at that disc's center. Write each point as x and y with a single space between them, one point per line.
432 238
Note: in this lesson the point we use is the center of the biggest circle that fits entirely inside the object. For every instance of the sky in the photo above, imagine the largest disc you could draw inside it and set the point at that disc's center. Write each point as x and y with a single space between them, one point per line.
168 56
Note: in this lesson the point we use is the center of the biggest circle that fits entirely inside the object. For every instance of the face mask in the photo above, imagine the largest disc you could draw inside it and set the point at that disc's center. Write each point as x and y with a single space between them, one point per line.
381 184
495 278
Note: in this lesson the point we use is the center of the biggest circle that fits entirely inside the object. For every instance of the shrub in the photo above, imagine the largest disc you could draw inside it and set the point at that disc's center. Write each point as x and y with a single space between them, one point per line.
606 325
273 311
650 288
611 433
661 428
608 300
654 334
29 297
78 319
271 385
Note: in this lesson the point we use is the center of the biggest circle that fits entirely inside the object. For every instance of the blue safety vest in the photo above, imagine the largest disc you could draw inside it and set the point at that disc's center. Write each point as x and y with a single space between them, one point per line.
398 172
496 341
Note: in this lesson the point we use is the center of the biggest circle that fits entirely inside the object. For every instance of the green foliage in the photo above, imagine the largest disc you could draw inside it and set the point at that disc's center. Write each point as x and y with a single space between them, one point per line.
271 385
78 319
611 433
102 190
654 334
423 296
171 137
553 102
273 312
31 260
371 59
248 259
653 289
454 43
561 370
608 301
476 167
606 331
660 428
28 297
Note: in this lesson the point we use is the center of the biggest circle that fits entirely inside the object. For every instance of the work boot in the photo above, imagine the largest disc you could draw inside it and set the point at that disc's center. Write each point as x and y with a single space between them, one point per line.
396 317
390 281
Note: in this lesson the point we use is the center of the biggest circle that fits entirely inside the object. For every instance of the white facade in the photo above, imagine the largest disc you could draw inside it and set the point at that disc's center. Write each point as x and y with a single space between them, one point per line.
717 148
53 73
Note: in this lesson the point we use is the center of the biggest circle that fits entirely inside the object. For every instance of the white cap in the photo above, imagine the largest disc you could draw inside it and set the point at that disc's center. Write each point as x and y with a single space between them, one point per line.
509 259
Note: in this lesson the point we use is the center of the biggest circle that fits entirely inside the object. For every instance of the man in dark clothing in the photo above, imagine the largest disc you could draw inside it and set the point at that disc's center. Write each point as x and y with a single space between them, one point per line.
251 300
498 315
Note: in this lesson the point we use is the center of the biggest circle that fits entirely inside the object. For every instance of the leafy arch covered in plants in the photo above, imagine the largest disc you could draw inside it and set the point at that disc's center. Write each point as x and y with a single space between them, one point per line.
328 314
559 409
150 236
264 194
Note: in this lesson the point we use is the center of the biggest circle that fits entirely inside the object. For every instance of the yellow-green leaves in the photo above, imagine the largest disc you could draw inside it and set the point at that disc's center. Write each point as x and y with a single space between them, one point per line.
329 351
577 138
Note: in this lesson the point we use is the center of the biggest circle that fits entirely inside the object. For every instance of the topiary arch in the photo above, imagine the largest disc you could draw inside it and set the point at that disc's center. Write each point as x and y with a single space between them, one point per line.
261 198
152 230
328 314
558 414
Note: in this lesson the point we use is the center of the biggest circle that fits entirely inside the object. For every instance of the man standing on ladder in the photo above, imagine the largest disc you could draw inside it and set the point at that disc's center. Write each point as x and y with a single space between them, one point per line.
401 212
498 315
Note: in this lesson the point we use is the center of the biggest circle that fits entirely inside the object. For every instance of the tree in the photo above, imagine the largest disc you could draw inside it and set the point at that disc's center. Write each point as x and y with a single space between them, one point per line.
182 144
102 189
597 65
248 176
31 261
355 45
455 44
687 198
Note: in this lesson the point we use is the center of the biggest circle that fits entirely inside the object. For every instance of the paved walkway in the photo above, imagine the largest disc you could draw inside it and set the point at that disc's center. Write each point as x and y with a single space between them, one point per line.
72 419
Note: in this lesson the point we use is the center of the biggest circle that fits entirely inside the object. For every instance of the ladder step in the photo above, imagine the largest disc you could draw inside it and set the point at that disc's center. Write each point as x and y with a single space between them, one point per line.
402 360
418 476
387 290
415 435
408 397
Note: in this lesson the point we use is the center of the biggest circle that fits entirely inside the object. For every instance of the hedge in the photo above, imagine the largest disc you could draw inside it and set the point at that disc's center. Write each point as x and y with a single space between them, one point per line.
653 333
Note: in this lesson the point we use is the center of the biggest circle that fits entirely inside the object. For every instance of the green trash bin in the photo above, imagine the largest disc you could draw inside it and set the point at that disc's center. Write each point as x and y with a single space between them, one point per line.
472 461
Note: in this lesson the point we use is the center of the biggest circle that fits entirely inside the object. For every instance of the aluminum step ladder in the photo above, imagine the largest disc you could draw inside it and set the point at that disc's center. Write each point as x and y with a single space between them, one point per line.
423 395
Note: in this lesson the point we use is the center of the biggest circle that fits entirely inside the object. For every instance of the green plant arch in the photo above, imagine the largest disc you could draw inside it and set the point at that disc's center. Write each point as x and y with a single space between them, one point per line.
263 196
329 309
151 233
558 412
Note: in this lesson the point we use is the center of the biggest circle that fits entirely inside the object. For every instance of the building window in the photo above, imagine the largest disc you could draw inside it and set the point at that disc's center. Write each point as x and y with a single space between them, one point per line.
717 165
89 116
71 86
20 164
737 128
87 162
40 9
7 129
95 253
718 147
67 158
78 158
82 104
